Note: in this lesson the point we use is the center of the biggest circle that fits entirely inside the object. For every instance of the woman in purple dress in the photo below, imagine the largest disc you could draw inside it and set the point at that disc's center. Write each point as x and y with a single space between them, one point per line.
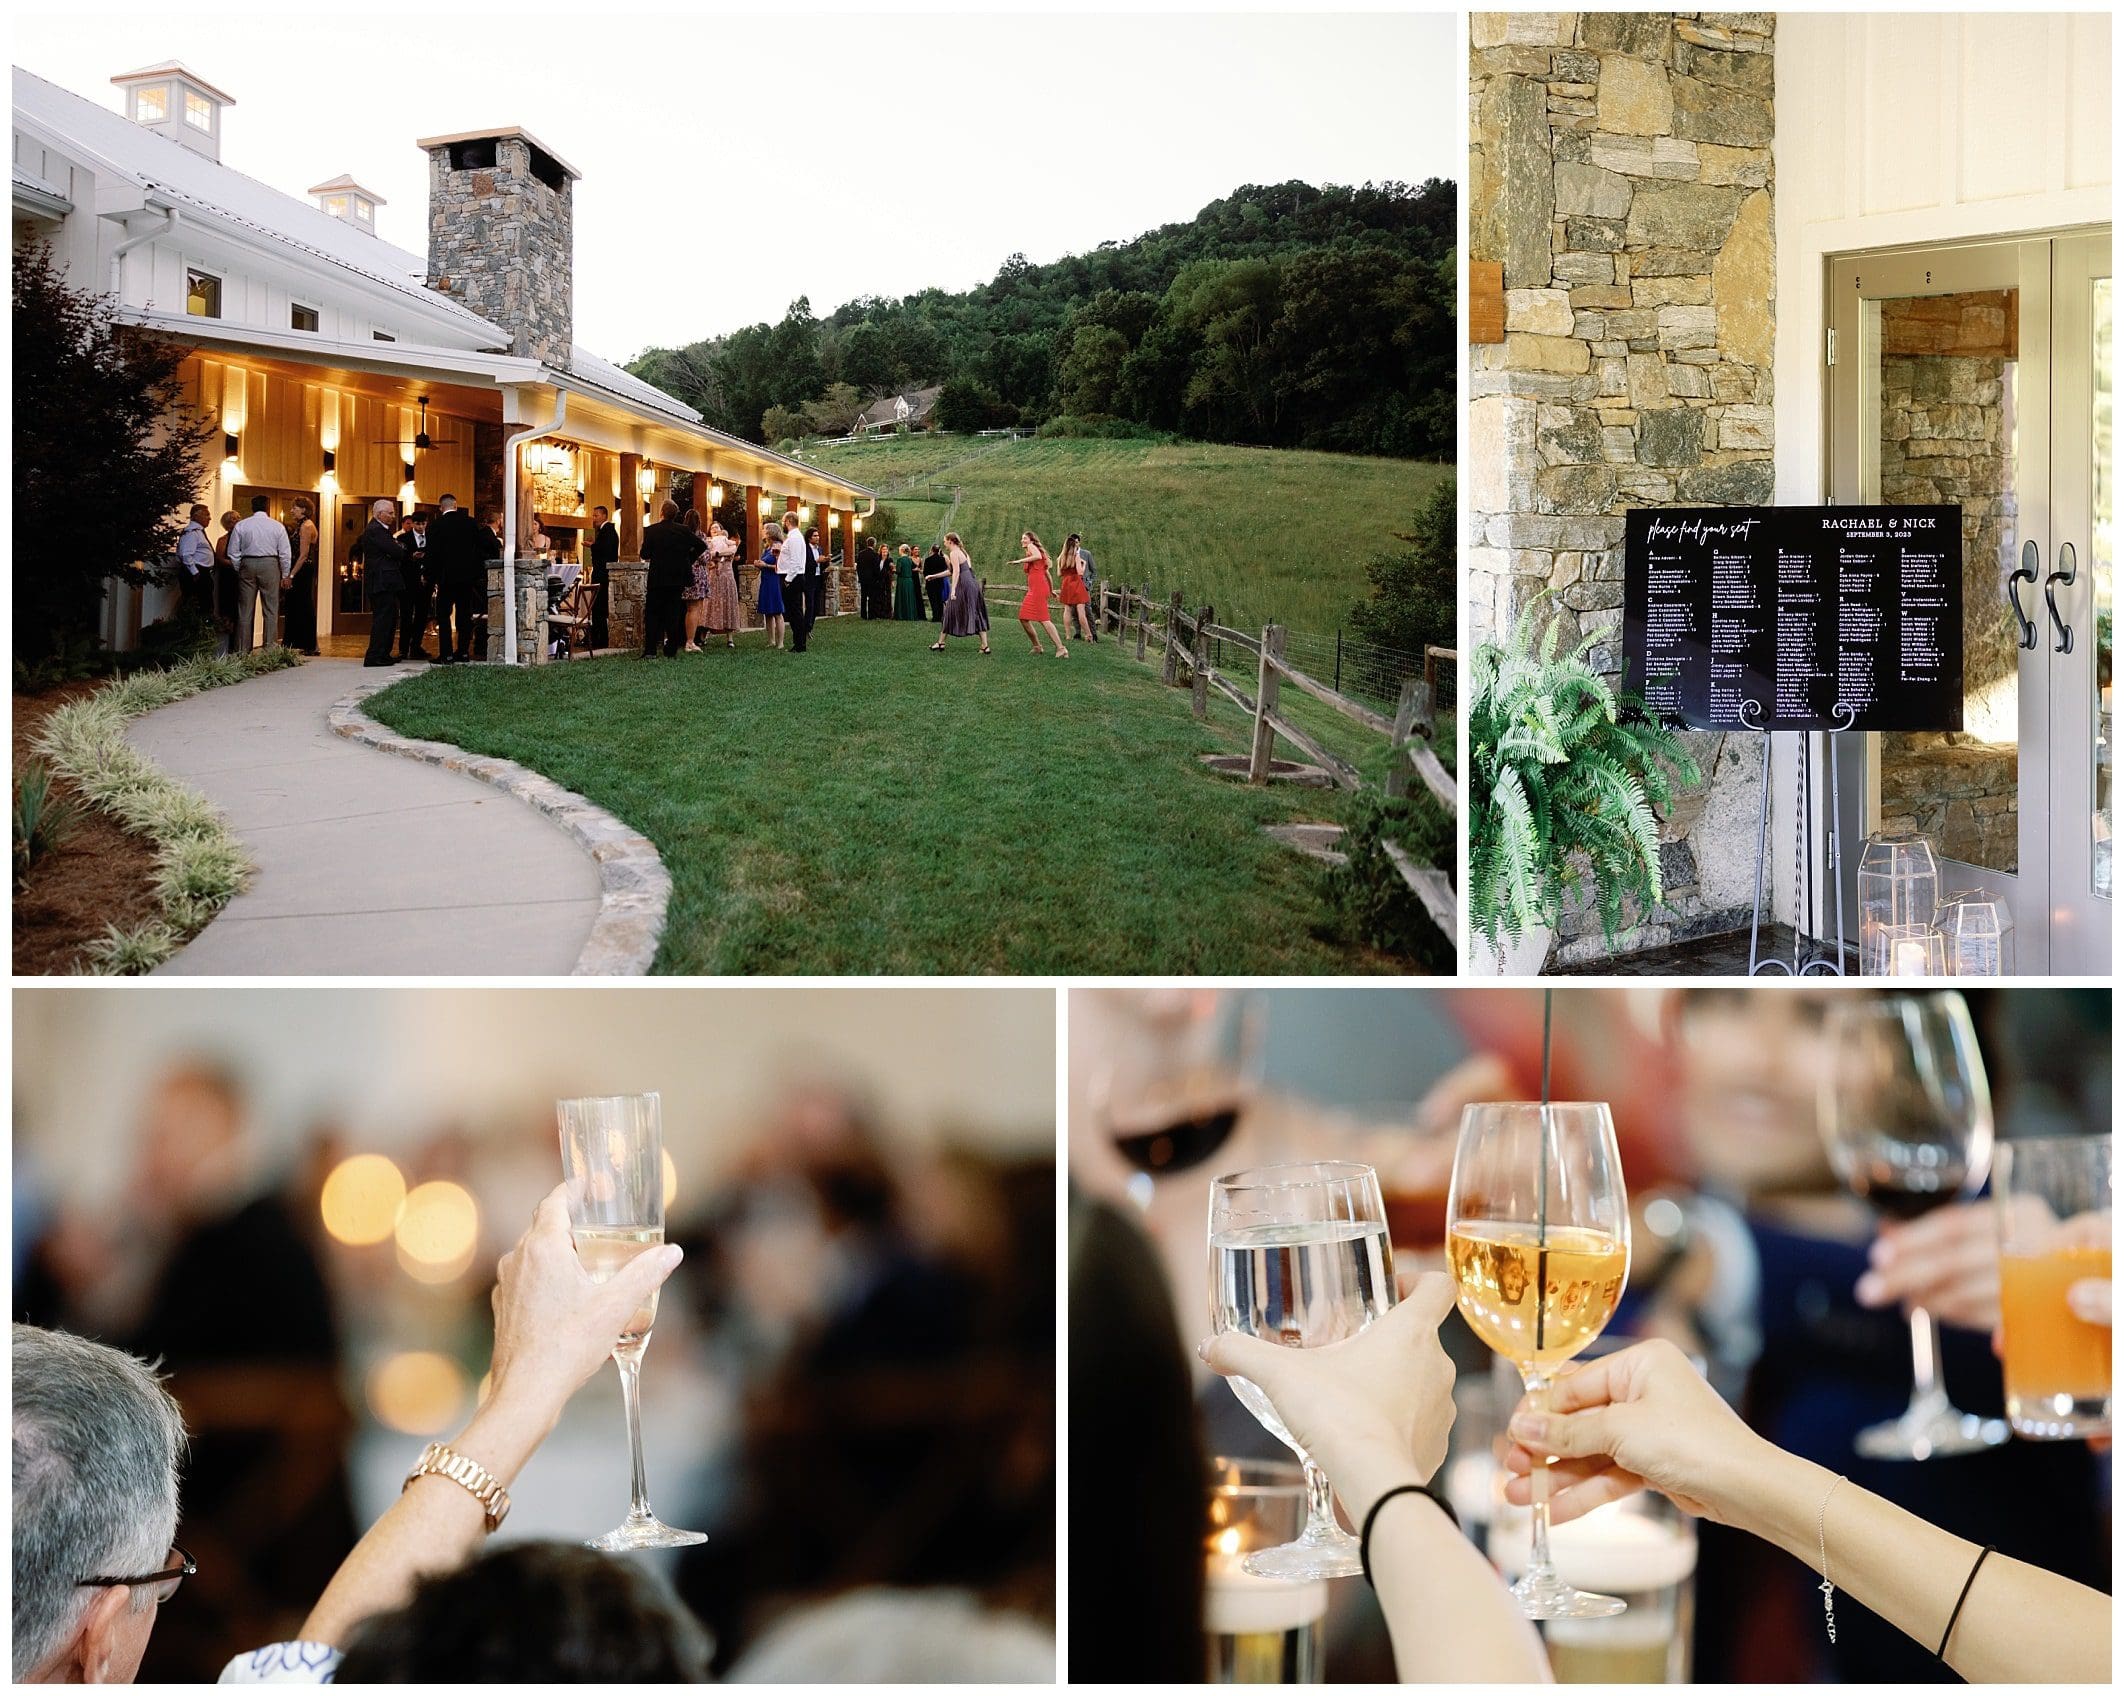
966 612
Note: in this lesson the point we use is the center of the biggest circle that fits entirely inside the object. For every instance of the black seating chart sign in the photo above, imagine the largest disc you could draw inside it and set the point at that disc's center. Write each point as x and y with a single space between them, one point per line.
1795 618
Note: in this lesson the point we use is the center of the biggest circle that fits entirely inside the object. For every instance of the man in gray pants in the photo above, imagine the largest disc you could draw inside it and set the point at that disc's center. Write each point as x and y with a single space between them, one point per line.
264 562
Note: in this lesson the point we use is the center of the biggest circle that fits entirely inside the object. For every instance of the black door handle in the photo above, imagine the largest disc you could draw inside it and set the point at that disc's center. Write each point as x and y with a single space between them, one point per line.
2066 573
2025 572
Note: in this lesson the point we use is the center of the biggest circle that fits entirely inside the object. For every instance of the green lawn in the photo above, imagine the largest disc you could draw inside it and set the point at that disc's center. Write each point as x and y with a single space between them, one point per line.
871 807
1259 533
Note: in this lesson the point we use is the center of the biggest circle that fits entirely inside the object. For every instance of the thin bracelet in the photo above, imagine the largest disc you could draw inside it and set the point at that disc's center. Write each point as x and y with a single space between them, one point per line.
1940 1654
1827 1586
1364 1537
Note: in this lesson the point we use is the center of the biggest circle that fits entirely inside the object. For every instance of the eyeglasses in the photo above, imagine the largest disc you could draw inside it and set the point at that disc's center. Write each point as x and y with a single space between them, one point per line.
165 1582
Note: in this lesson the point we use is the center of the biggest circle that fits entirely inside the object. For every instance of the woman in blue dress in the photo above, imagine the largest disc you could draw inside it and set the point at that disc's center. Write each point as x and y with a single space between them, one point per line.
771 588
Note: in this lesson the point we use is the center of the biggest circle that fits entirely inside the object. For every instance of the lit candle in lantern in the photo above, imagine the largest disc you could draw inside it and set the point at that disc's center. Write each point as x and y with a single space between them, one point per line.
1908 960
1250 1621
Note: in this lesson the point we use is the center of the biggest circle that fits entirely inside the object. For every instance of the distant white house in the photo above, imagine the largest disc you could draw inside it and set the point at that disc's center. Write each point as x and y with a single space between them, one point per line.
911 408
315 341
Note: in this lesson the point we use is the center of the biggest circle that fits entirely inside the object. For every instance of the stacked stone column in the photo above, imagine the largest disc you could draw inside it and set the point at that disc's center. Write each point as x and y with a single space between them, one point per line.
1621 172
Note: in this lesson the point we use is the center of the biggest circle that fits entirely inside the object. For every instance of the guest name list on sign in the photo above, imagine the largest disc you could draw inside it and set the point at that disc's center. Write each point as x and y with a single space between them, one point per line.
1773 618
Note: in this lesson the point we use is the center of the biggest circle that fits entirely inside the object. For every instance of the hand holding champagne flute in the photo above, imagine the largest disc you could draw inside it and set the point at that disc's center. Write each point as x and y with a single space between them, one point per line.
612 1156
1538 1239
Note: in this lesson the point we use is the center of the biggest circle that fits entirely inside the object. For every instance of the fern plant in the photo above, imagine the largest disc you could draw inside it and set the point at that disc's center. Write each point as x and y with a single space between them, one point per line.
1566 782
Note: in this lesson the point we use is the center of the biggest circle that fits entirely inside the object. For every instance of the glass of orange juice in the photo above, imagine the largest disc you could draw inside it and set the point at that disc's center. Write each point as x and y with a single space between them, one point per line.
2053 1203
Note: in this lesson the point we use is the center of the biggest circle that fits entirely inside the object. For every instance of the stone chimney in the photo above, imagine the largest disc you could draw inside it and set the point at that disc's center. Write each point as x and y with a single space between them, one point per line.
177 102
501 235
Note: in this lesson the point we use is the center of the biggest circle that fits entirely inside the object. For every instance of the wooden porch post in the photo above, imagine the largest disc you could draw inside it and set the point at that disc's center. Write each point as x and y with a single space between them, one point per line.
630 506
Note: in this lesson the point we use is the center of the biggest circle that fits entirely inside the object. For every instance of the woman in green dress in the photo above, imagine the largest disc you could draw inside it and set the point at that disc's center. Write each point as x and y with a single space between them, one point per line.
907 585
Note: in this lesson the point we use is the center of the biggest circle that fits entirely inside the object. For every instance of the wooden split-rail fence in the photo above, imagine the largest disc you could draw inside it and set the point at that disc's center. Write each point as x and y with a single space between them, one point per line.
1187 642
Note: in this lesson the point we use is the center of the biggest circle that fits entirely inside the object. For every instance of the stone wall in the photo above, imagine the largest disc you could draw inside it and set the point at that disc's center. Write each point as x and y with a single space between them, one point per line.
503 242
530 612
1620 168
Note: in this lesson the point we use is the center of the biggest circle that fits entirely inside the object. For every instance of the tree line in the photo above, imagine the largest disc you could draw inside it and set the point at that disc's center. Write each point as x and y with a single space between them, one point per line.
1285 316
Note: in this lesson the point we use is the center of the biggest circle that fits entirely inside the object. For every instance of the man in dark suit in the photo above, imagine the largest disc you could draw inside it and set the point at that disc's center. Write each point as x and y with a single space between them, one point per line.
457 556
867 578
413 604
604 554
384 564
670 550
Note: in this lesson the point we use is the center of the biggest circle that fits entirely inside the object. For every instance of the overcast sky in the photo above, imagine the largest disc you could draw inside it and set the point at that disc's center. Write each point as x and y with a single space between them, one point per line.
913 150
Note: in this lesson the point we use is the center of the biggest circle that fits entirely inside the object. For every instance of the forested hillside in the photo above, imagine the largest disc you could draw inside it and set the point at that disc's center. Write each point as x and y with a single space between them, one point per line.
1286 316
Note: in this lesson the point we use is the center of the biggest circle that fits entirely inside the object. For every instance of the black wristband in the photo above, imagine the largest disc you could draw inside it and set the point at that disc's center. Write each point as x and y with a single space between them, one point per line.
1940 1654
1364 1537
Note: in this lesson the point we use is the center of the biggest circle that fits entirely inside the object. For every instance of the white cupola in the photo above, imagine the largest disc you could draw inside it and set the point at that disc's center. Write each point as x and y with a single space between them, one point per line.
177 102
345 199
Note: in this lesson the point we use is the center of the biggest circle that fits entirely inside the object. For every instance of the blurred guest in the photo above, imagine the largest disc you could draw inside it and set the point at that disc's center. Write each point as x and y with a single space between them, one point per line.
532 1613
881 1636
211 1276
604 555
97 1443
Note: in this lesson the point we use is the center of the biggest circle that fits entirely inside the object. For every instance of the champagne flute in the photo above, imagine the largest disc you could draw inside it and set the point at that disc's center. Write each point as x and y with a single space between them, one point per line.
1538 1240
1299 1256
1906 1114
612 1156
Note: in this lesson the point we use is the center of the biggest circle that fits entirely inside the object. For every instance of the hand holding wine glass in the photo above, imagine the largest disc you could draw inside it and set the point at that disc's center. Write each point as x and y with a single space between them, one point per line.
1373 1410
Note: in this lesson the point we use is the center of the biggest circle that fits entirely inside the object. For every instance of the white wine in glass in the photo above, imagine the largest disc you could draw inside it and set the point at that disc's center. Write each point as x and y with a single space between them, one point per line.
1299 1257
1538 1241
612 1156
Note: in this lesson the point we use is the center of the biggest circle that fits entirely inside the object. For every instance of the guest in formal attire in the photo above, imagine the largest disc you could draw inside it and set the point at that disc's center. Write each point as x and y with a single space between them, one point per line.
263 559
907 587
413 604
719 616
772 614
1076 597
299 619
936 579
225 582
1033 615
798 564
693 599
867 579
604 553
966 611
195 565
457 553
384 565
670 548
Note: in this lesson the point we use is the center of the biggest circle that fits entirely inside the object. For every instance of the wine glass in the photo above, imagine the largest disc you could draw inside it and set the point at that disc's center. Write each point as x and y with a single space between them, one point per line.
1299 1256
1538 1240
1906 1114
612 1156
1172 1090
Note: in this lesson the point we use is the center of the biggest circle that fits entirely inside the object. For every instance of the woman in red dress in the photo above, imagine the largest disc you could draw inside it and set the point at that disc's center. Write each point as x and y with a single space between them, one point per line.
1039 584
1076 599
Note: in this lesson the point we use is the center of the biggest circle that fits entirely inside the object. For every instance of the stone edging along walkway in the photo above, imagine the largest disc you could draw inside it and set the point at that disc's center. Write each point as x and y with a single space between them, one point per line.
634 888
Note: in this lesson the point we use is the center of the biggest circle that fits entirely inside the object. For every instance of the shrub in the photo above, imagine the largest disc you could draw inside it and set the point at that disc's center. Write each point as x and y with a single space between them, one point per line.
1565 782
42 820
1371 899
1066 427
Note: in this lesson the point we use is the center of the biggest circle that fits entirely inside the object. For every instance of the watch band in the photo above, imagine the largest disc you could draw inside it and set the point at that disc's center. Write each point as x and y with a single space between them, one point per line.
441 1461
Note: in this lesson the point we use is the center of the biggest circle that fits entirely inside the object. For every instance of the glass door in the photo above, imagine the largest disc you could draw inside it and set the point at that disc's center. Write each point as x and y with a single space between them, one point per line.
2076 625
1940 396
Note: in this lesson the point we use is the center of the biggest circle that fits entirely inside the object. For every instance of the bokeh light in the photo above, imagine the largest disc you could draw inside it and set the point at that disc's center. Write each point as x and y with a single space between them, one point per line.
361 1199
670 1181
438 1230
417 1392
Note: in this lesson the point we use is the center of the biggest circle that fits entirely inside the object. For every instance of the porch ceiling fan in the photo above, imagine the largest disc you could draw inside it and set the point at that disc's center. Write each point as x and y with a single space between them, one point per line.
421 438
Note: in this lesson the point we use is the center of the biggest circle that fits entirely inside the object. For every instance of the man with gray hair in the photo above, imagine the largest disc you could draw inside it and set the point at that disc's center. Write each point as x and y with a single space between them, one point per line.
97 1442
385 567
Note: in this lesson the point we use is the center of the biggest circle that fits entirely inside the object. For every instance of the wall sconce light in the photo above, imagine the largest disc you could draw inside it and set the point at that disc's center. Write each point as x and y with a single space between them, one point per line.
647 480
833 521
715 494
230 443
766 506
331 460
804 514
859 527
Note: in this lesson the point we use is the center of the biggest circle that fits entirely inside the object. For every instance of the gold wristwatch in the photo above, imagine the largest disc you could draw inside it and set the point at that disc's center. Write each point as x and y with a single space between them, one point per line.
445 1462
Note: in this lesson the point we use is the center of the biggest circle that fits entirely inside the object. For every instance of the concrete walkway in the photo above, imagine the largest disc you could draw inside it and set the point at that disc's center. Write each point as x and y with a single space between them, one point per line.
367 863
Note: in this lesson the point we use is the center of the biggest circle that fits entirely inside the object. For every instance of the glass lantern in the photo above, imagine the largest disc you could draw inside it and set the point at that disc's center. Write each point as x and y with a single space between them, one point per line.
1898 893
1259 1630
1976 933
